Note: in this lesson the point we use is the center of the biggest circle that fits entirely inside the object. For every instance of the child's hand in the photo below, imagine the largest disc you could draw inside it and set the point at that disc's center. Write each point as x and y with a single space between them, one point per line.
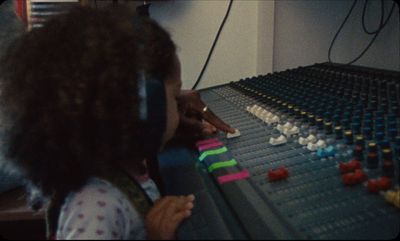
166 216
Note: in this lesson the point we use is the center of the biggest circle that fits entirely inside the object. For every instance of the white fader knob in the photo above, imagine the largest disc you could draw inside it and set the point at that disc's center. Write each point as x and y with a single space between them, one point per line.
273 119
253 109
278 141
280 128
312 146
321 144
292 131
303 141
288 125
236 134
311 138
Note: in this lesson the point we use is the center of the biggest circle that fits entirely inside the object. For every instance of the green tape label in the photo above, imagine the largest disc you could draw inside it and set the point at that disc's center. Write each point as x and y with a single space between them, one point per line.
219 165
212 152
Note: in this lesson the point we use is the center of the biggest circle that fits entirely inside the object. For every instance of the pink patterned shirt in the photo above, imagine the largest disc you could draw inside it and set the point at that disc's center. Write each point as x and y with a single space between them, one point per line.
101 212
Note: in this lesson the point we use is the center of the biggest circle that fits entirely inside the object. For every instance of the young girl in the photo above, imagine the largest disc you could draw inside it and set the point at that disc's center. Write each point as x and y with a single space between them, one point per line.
73 104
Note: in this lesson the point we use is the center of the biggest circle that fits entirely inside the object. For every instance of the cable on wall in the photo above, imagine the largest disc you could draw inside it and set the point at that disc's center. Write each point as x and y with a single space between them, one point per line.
213 45
376 32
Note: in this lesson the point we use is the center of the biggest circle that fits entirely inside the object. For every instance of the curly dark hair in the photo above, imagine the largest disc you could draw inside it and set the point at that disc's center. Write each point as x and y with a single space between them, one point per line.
69 94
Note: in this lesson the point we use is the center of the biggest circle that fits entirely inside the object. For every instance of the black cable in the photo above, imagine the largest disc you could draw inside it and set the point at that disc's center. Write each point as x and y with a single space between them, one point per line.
390 15
340 29
381 21
374 38
213 45
370 43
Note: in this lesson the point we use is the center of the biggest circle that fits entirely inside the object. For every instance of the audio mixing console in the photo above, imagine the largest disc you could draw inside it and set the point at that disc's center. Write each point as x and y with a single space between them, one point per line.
317 157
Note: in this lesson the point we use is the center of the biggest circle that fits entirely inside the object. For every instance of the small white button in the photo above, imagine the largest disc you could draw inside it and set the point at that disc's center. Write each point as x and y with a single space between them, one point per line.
278 141
288 125
311 138
274 119
312 146
253 109
303 141
321 144
263 114
236 134
280 127
293 131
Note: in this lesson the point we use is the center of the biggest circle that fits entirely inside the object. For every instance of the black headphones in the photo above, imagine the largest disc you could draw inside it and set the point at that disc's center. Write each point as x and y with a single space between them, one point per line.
152 112
152 107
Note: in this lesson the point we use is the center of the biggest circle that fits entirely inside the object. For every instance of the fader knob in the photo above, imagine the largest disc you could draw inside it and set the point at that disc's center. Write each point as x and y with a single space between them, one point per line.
338 132
372 147
320 123
372 160
387 154
388 168
328 128
358 153
360 141
349 137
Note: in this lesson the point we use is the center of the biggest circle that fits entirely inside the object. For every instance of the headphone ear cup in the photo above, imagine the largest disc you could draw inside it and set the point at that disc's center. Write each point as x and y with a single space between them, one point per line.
153 113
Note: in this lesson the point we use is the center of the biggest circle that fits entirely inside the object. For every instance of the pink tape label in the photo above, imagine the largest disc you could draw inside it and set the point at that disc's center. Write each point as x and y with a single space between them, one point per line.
206 142
234 177
209 146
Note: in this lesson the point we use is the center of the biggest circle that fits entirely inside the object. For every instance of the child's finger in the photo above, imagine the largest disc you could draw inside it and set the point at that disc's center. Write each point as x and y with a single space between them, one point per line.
178 218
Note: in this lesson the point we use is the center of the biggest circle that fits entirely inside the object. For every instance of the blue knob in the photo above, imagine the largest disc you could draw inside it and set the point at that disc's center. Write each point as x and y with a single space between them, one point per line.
321 153
330 151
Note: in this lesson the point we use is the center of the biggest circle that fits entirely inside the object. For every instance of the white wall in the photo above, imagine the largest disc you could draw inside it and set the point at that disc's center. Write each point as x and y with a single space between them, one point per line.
194 24
304 30
265 37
